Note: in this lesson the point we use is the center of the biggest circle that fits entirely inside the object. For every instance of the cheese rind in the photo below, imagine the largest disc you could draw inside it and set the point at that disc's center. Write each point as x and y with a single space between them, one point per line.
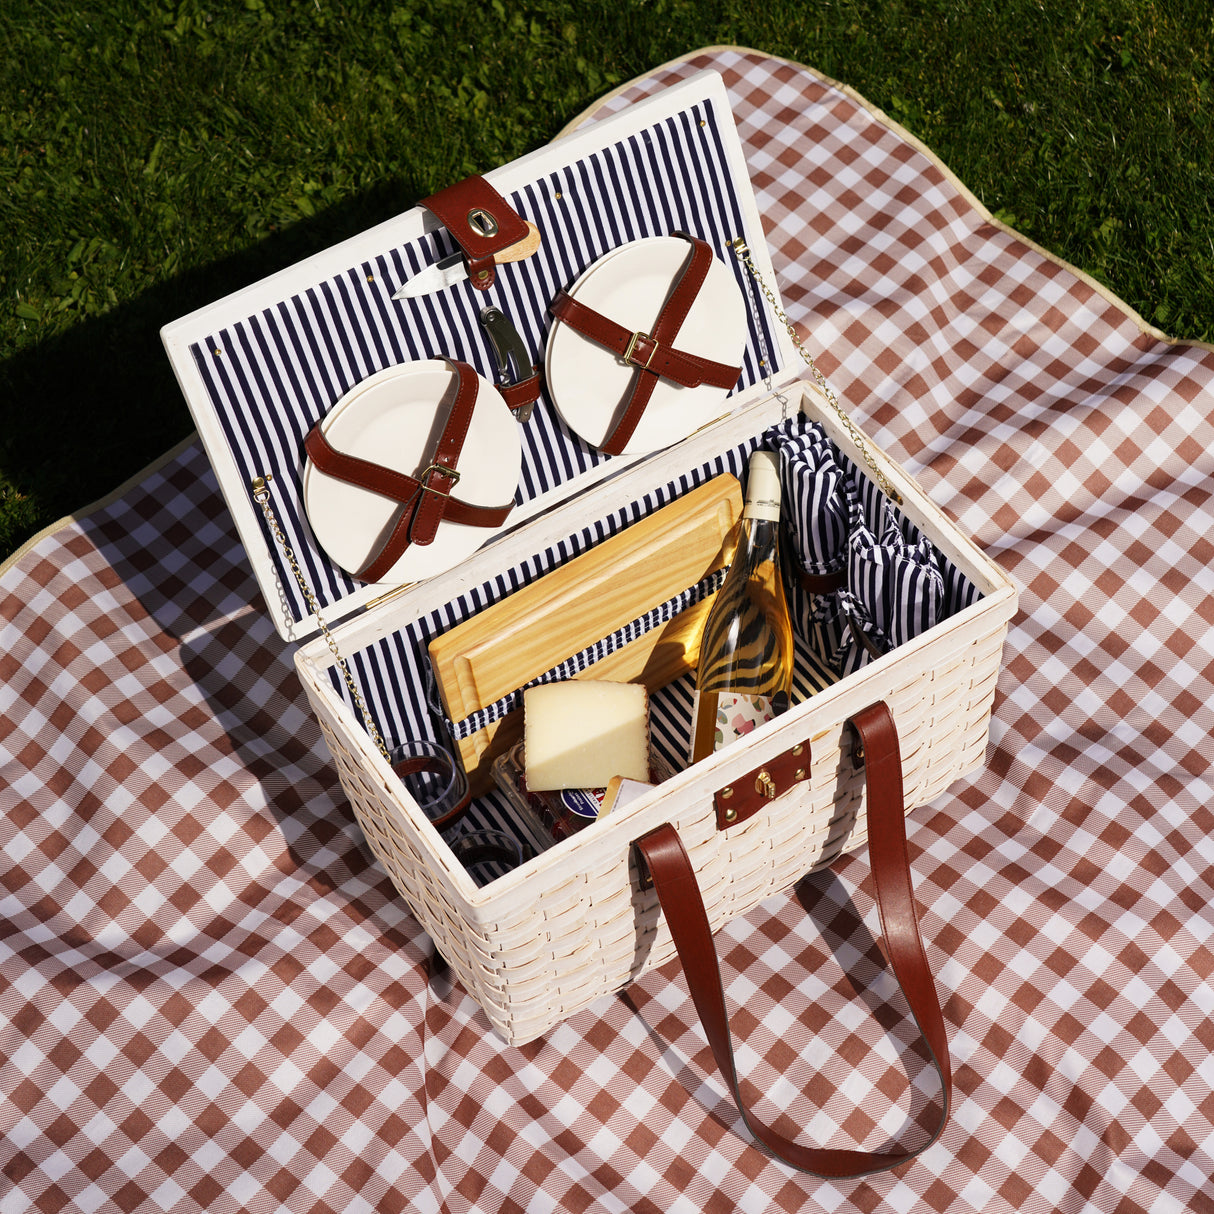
620 792
581 733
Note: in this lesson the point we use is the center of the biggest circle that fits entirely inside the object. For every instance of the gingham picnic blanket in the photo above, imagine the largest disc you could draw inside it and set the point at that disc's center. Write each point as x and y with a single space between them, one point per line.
210 997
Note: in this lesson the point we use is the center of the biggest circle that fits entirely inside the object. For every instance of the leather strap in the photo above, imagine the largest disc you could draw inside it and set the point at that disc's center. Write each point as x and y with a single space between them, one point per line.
640 349
427 499
481 222
866 642
829 583
822 583
488 847
520 396
653 354
662 854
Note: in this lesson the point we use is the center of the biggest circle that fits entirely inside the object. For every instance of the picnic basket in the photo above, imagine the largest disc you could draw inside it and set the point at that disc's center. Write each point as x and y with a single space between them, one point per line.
577 921
544 941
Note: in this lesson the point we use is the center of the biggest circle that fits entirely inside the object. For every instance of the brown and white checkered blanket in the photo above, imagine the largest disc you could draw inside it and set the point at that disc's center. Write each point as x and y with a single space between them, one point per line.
211 999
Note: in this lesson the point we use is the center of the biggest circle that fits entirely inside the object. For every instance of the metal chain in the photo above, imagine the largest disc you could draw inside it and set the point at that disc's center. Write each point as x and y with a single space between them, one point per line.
261 495
766 361
743 255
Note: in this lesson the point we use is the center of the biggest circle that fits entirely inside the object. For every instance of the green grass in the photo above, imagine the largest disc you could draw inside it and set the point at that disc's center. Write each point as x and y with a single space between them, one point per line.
155 155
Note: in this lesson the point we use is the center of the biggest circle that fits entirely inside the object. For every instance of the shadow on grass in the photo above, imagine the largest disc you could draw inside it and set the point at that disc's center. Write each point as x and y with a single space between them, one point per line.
84 410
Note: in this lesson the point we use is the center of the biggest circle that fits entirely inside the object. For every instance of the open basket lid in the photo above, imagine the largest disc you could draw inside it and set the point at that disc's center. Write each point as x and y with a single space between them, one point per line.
261 367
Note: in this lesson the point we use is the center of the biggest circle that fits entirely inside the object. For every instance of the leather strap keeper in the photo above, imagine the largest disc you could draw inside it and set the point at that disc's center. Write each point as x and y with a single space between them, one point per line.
521 396
481 222
422 763
822 583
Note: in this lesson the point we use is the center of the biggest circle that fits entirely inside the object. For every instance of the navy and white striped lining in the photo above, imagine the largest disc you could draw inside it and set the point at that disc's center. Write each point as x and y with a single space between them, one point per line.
273 375
898 586
393 674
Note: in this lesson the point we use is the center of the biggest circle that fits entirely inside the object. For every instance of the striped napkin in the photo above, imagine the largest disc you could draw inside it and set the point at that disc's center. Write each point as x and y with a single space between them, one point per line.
889 585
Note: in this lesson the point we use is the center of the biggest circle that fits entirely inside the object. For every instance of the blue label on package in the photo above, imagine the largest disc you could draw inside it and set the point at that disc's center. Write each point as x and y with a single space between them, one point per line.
579 801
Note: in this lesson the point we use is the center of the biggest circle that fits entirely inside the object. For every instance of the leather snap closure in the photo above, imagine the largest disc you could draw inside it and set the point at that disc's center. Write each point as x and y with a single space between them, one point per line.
753 792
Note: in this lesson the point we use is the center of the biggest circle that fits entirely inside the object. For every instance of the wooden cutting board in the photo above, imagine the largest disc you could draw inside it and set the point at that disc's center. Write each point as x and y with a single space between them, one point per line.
588 598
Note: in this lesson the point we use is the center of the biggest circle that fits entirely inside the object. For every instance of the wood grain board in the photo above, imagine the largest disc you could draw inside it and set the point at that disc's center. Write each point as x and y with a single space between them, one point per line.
588 598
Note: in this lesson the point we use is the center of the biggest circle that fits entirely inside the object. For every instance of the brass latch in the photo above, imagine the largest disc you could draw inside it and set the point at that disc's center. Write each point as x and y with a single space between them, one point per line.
752 792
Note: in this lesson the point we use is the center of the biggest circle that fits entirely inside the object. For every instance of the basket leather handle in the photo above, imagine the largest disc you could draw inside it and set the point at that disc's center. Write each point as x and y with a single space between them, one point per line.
663 856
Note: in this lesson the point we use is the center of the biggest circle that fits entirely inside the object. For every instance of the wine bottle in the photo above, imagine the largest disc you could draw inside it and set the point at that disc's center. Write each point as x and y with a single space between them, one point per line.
744 674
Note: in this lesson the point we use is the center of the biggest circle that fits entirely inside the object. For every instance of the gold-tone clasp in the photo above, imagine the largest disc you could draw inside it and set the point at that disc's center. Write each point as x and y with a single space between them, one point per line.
765 786
633 342
447 472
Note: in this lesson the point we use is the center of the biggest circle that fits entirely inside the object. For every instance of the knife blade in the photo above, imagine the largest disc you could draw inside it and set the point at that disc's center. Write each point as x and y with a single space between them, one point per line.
449 270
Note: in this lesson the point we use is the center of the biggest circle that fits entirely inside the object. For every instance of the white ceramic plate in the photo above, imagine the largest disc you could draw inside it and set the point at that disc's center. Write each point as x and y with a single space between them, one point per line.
394 419
588 383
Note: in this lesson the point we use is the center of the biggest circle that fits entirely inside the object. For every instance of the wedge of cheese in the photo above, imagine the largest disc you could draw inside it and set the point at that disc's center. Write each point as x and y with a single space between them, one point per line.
581 733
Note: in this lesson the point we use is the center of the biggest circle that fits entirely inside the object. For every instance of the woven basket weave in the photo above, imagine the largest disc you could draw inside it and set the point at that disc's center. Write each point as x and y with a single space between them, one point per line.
571 925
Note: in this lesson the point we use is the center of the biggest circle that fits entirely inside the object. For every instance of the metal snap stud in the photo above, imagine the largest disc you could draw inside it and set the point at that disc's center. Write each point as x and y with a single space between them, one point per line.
481 222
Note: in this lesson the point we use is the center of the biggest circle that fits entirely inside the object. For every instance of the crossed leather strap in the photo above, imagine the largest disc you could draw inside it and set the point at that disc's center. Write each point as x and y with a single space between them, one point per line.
427 500
666 861
653 354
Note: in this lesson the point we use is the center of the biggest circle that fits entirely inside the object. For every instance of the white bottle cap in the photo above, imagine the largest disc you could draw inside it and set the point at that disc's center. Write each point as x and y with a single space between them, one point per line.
763 486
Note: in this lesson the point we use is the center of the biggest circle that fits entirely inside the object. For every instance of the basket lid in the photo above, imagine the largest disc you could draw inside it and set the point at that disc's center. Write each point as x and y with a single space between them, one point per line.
263 366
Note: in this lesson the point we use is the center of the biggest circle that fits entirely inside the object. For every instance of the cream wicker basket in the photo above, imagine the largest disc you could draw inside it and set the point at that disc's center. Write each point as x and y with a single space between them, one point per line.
549 938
